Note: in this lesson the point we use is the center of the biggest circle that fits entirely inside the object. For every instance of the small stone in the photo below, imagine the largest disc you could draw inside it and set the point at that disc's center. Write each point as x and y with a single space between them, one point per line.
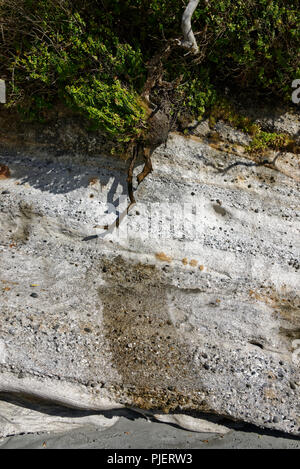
34 295
293 385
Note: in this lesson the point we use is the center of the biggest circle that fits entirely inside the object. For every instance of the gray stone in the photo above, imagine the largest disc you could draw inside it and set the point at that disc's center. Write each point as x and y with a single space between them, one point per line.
200 129
203 284
226 132
272 117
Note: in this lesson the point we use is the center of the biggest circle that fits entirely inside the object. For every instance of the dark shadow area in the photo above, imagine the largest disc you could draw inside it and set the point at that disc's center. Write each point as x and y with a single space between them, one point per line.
53 409
249 164
61 176
132 414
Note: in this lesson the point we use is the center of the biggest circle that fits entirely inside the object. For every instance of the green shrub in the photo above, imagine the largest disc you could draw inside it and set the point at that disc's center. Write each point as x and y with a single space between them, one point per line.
88 69
261 140
269 140
92 55
255 43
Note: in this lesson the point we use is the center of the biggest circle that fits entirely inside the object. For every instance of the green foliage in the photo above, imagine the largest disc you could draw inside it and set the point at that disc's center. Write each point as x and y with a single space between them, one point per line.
224 110
110 106
198 93
88 69
261 140
265 140
92 55
256 42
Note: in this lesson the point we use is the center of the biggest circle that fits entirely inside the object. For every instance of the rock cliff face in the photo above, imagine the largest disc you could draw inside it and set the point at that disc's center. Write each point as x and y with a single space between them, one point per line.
191 306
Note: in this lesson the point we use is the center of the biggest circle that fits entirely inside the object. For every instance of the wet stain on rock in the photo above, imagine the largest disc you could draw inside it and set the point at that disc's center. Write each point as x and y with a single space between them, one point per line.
286 306
155 366
220 210
24 223
161 256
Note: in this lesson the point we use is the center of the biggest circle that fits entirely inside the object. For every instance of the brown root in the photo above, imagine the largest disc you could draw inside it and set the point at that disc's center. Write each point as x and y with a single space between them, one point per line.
147 167
130 173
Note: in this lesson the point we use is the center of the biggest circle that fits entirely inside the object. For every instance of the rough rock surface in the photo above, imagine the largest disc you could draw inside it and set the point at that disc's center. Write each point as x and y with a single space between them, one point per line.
271 117
192 305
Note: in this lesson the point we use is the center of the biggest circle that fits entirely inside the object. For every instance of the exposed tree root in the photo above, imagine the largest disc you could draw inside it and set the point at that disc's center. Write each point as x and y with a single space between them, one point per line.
120 217
148 165
160 121
135 152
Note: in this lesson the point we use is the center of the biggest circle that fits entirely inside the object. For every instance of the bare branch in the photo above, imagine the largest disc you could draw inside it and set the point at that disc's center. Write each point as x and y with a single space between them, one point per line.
189 40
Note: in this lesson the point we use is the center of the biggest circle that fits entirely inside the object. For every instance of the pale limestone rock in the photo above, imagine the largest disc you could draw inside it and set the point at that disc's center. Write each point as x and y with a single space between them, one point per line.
192 306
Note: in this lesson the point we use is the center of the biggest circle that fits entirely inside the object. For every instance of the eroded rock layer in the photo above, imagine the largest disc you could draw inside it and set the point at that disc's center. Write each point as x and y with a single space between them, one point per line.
192 305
